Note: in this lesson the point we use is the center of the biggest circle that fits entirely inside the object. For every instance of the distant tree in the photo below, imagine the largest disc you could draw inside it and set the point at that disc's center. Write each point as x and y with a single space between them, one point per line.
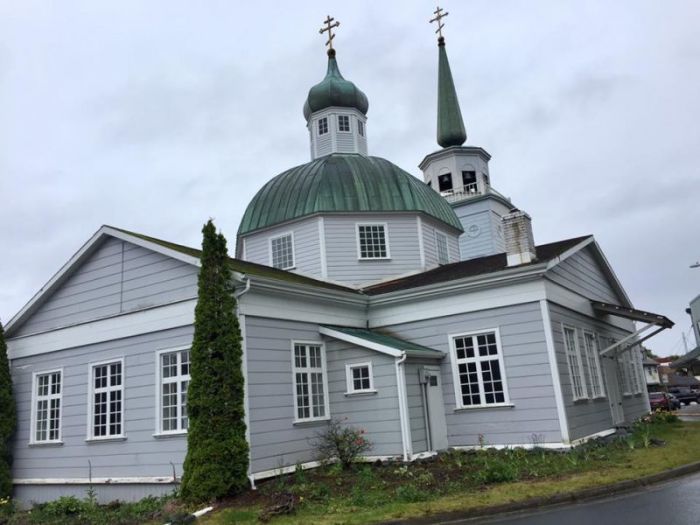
8 419
649 353
216 464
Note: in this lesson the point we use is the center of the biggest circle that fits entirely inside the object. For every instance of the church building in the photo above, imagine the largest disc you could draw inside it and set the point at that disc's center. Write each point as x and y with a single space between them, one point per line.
421 311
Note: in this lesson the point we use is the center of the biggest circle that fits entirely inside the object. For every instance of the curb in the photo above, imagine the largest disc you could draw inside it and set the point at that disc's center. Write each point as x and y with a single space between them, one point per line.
557 499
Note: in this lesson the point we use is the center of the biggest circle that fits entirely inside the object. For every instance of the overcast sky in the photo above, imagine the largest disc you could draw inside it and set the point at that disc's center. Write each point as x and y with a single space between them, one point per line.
154 116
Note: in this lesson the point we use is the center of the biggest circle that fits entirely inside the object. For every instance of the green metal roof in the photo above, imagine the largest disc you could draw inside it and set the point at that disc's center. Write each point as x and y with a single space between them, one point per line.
450 126
411 349
334 90
343 182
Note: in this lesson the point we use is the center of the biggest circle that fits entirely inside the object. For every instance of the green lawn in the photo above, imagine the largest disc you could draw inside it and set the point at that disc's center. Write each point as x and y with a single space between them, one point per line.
460 481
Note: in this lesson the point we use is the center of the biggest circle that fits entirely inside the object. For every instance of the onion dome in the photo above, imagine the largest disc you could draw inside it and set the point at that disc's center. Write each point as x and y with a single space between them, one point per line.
343 183
334 90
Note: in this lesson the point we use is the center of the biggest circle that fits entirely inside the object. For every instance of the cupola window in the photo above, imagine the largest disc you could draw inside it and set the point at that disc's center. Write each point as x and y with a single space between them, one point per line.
445 182
361 128
343 123
441 248
282 252
372 241
469 181
323 126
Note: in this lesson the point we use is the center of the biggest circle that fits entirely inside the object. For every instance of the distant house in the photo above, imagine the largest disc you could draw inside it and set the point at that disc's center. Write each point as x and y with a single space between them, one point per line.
422 311
651 374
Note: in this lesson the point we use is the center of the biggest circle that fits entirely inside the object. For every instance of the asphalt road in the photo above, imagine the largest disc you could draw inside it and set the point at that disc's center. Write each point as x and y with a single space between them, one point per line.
672 503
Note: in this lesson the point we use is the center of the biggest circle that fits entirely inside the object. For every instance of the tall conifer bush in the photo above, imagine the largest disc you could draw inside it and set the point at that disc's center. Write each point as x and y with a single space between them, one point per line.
7 420
216 464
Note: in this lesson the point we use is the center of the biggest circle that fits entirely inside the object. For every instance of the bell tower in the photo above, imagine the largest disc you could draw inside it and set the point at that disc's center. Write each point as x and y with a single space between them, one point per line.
461 173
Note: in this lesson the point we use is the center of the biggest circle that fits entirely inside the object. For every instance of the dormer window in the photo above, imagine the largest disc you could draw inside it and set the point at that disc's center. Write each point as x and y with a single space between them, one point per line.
445 182
282 252
343 123
361 128
323 126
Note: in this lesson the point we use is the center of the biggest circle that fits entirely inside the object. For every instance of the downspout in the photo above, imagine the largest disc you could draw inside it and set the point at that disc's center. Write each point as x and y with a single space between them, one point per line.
403 406
426 417
244 370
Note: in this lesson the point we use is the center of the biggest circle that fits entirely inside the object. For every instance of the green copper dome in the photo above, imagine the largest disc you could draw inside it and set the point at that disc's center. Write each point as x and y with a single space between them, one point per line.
334 90
343 183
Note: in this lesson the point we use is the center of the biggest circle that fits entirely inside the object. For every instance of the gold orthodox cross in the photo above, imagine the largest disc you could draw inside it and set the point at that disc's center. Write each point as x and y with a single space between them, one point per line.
439 15
329 27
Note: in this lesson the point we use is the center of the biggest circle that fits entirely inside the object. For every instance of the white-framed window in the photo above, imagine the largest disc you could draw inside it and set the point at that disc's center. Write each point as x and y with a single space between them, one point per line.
574 362
361 128
633 372
359 378
478 370
47 395
623 373
443 256
106 401
282 251
594 369
172 382
323 126
372 241
343 123
310 381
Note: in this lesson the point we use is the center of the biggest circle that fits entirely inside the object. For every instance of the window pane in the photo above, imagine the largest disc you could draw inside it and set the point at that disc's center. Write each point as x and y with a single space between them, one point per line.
441 247
372 241
323 126
282 252
479 370
343 123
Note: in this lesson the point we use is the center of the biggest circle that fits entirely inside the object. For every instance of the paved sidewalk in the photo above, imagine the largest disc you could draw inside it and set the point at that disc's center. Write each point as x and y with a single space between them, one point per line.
689 413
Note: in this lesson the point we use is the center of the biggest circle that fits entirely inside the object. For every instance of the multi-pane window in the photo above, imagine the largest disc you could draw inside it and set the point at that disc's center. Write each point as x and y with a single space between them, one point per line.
343 123
359 378
445 182
107 400
441 248
174 380
310 398
594 370
623 374
478 367
573 359
282 251
372 241
47 407
361 128
323 126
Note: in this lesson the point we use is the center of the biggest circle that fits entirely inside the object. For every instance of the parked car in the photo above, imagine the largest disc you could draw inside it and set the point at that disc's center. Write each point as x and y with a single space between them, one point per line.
684 394
663 401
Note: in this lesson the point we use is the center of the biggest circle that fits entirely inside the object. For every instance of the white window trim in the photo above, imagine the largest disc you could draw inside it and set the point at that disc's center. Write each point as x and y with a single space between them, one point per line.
33 414
350 384
455 370
439 234
349 130
91 403
279 236
324 371
159 432
599 366
579 362
360 128
386 240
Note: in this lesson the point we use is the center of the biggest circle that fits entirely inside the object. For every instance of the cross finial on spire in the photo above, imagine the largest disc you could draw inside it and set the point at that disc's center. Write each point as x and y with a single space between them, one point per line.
329 27
439 15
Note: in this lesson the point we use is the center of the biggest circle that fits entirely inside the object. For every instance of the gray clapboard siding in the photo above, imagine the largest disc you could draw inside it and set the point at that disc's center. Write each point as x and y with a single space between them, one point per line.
377 414
586 417
29 494
583 274
276 440
140 455
342 257
416 412
118 277
526 369
430 244
307 254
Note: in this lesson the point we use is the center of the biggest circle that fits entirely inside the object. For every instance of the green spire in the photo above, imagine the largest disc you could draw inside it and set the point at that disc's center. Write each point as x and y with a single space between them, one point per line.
450 126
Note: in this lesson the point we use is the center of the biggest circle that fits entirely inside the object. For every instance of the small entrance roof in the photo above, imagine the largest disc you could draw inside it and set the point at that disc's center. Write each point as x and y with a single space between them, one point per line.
633 314
383 343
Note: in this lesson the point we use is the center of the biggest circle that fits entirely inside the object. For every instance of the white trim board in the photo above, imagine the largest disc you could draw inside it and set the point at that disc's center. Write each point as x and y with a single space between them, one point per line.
97 481
125 325
554 369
